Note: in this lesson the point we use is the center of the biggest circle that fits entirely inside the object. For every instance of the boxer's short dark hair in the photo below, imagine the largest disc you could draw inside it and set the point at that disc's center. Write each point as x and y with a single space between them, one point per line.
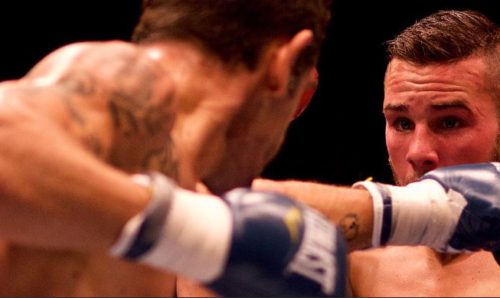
235 31
449 36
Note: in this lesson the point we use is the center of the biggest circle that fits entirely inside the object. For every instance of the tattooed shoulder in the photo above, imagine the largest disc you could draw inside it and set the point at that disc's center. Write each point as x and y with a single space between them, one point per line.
120 81
116 76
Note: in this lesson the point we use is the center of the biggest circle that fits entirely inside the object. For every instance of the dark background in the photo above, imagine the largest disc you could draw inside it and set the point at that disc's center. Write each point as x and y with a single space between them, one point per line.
339 138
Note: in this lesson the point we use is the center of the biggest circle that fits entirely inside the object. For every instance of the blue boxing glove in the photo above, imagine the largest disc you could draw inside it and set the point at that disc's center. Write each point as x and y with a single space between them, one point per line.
285 247
245 244
452 209
479 224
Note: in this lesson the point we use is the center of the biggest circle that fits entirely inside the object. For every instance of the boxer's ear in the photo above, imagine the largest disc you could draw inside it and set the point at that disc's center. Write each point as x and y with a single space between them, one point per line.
306 97
283 60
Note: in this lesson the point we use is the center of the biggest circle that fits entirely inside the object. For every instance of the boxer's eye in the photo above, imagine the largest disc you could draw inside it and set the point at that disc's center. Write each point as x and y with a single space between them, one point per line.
403 124
451 122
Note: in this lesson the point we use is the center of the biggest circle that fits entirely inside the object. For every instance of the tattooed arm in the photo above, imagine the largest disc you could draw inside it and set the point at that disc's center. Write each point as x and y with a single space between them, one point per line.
350 209
61 126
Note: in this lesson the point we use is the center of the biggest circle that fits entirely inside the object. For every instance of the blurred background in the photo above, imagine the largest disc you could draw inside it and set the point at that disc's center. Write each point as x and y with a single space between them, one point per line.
340 137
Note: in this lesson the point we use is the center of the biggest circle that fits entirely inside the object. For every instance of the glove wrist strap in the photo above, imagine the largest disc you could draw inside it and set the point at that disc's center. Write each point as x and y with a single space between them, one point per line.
179 231
421 213
378 212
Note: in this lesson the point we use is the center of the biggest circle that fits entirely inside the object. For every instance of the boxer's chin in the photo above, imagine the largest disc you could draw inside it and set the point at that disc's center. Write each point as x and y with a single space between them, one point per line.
220 185
406 179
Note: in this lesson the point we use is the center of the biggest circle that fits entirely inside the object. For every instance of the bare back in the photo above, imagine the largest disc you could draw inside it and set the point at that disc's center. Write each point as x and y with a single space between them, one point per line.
109 99
420 271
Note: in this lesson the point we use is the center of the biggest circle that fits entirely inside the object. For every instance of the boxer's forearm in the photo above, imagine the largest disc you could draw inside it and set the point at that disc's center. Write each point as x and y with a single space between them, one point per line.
351 209
56 194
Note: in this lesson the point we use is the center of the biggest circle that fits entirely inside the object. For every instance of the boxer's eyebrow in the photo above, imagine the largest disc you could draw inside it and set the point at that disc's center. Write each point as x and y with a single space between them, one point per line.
454 104
399 107
439 106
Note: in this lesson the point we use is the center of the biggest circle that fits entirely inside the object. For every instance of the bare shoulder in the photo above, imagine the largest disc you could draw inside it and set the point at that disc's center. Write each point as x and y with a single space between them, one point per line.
116 76
421 271
383 270
111 96
71 54
110 65
376 259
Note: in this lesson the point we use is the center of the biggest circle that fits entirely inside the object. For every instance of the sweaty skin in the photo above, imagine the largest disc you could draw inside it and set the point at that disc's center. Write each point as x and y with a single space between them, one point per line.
437 115
109 100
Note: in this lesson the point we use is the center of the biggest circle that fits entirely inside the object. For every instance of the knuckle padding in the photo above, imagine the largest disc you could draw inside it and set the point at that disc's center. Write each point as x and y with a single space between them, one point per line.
479 185
269 230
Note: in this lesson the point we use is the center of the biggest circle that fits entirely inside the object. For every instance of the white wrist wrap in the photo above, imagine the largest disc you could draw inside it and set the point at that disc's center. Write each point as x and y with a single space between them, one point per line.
421 213
188 233
378 210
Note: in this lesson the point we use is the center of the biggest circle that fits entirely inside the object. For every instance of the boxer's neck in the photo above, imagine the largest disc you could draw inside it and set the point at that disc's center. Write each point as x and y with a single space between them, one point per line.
208 95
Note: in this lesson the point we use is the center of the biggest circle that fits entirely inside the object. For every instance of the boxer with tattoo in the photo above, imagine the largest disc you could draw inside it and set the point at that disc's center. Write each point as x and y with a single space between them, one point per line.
182 99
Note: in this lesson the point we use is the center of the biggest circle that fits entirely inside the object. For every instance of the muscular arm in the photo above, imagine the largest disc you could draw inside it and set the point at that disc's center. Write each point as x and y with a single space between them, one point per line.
350 209
79 110
56 194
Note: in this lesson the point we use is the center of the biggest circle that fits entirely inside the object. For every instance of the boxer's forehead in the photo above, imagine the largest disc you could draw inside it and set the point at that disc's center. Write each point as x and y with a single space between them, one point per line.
463 82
